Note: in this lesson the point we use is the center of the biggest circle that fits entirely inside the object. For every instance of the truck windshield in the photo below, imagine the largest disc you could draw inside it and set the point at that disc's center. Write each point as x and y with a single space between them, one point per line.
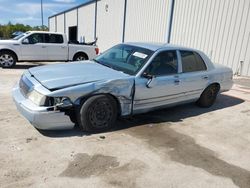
126 58
20 36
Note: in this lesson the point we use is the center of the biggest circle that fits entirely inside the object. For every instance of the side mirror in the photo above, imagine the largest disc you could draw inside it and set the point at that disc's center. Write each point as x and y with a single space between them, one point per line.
150 78
147 75
25 41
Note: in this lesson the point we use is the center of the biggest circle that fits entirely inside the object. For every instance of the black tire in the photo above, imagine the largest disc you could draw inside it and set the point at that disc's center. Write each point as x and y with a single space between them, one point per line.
7 59
80 57
98 113
208 96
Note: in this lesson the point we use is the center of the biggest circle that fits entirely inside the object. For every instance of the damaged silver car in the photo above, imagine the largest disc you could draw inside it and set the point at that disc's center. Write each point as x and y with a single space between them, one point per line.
127 79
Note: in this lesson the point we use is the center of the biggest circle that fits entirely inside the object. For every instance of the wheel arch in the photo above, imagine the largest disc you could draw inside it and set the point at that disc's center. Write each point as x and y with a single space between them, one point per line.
9 50
80 52
217 84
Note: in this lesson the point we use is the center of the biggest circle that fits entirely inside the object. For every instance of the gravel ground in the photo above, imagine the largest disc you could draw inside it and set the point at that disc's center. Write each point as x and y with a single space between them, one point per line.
184 146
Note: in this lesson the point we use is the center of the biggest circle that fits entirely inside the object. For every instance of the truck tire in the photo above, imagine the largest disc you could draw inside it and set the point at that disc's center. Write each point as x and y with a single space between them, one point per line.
208 96
80 57
7 59
98 113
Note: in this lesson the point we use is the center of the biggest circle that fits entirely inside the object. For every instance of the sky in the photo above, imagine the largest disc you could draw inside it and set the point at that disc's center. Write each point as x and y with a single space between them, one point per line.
28 12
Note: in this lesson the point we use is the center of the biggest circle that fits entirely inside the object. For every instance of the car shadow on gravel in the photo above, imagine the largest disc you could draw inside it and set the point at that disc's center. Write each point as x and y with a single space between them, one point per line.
168 115
176 113
76 131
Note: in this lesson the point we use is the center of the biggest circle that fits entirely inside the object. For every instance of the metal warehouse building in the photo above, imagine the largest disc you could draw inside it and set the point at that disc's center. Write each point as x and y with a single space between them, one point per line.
220 28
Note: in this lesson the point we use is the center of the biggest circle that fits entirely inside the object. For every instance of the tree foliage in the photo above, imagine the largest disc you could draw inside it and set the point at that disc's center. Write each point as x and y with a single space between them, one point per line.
7 30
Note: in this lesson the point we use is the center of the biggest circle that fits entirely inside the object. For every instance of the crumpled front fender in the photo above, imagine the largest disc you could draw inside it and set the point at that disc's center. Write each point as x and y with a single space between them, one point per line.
121 89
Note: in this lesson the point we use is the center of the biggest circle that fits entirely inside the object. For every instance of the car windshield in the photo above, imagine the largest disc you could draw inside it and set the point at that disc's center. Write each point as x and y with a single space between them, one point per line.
126 58
20 36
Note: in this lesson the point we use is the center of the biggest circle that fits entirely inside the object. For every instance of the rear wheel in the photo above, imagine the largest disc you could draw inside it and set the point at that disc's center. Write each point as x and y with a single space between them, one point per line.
7 59
80 57
98 113
208 96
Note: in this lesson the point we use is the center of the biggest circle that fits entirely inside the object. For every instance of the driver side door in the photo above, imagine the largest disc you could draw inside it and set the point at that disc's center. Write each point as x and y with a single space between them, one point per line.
34 48
160 84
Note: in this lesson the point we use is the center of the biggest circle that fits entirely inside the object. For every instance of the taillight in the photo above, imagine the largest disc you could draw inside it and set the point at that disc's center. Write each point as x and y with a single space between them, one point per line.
97 51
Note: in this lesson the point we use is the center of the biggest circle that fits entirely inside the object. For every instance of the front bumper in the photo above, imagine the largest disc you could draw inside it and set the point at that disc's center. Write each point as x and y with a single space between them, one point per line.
39 116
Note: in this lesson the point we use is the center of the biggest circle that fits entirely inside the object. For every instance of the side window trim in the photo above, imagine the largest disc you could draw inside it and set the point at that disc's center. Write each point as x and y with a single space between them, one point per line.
195 53
164 50
179 61
57 36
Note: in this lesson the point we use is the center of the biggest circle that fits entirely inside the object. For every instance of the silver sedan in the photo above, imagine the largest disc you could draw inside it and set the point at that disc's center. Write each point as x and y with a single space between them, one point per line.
127 79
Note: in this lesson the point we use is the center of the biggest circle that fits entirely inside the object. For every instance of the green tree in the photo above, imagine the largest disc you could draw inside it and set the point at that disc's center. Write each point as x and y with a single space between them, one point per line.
7 29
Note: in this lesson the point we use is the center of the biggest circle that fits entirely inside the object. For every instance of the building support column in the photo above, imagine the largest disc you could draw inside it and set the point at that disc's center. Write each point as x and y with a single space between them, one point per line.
64 23
77 23
124 20
170 20
95 19
55 23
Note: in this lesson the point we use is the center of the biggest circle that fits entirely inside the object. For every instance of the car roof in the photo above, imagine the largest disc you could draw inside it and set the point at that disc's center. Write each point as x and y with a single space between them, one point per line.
47 32
156 46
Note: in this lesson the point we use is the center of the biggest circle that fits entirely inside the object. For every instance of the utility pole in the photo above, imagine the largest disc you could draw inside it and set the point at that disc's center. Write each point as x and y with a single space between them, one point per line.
42 12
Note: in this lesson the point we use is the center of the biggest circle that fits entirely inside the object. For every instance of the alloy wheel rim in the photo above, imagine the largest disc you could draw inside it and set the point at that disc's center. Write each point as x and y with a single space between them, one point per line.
6 60
80 58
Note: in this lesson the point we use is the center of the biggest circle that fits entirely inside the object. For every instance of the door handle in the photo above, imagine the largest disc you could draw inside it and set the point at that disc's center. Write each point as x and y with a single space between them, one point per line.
63 46
205 77
43 46
176 81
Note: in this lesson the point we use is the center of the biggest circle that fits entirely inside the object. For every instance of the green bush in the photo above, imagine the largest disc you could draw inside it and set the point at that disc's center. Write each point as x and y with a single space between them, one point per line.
8 29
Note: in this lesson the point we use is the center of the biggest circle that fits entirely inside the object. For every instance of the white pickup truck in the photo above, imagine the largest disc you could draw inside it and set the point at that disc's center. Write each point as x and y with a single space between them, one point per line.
43 46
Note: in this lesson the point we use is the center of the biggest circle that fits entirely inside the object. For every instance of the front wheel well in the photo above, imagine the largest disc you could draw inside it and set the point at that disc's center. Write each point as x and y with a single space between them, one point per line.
10 51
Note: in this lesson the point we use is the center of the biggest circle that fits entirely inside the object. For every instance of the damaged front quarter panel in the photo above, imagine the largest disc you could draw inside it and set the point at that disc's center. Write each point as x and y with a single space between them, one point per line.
121 89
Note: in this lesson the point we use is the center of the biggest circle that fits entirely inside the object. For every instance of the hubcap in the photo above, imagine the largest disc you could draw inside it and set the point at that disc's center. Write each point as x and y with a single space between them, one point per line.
100 114
80 58
6 60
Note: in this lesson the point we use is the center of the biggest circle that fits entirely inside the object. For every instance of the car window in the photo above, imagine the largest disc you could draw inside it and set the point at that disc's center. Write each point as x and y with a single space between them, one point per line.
191 62
165 63
54 38
36 38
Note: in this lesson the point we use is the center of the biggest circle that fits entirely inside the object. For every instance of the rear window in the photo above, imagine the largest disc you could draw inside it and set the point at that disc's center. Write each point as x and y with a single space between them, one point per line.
54 38
192 61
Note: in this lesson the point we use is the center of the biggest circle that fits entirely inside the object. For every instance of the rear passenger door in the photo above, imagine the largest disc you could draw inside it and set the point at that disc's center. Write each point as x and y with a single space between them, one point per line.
193 76
57 48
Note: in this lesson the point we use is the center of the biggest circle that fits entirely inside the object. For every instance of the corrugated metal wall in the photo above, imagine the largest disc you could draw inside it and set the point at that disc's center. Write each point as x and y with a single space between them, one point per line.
219 28
109 23
52 24
86 22
146 20
60 23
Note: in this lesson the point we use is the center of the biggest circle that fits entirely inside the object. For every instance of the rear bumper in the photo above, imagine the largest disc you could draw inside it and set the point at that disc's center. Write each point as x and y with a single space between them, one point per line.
38 116
226 86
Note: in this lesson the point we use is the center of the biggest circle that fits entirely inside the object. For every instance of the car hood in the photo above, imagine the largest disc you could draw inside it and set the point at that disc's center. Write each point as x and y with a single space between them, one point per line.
64 75
8 42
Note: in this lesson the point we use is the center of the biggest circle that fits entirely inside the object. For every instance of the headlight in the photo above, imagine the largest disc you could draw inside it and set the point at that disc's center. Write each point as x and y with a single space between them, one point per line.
36 97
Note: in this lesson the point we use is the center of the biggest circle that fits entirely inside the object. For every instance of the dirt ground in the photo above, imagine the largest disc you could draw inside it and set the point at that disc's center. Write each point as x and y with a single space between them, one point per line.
184 146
